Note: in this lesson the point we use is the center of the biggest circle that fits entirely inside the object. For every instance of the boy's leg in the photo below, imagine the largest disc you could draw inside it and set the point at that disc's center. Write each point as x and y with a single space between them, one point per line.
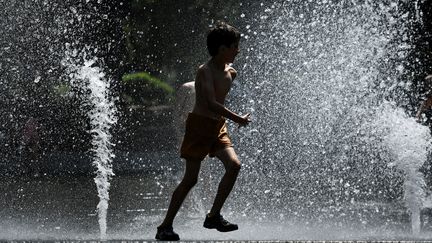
232 168
189 180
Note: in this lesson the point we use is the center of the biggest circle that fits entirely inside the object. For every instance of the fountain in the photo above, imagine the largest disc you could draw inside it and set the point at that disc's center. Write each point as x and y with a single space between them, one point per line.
78 68
332 152
316 78
102 115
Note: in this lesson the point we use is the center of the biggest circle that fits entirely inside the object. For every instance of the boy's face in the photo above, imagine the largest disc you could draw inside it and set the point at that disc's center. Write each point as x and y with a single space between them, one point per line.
231 52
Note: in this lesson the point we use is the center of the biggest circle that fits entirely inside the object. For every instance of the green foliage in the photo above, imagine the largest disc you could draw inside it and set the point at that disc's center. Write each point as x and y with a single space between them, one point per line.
144 89
146 77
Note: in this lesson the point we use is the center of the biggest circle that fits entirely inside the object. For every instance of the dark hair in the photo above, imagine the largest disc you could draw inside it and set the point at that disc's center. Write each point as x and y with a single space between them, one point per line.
222 34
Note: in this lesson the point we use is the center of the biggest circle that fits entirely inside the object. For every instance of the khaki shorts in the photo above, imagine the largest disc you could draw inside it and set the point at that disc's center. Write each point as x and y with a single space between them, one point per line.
204 136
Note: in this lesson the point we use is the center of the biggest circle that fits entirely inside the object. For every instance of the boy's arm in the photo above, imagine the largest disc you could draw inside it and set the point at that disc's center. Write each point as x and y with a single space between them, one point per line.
207 86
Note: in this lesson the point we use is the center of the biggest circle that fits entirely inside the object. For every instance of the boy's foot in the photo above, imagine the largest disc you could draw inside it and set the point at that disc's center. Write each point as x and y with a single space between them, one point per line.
219 223
166 233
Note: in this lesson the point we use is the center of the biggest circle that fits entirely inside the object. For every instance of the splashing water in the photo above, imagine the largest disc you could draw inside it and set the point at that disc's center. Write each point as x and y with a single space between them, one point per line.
409 144
34 37
323 139
318 73
102 115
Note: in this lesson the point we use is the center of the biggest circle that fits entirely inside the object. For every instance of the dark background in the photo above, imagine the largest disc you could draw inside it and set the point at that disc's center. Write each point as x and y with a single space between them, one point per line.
165 39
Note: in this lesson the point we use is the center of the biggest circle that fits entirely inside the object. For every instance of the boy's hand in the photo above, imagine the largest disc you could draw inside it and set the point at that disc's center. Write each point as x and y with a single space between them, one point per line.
244 120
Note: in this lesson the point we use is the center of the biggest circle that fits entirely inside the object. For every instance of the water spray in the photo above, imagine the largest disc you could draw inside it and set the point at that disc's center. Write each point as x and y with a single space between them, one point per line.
102 115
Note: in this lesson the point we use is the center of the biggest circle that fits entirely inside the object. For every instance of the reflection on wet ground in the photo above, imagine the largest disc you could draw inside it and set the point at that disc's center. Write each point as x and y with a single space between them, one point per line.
64 207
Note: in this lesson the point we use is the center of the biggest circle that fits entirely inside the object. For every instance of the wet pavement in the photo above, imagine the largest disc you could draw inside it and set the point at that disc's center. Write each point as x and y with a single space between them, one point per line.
52 208
64 207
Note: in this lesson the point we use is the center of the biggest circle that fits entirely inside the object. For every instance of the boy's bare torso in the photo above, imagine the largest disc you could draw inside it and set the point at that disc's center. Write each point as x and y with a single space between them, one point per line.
221 80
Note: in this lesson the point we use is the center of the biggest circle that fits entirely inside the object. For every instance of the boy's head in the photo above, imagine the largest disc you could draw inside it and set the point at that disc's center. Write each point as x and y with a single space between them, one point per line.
221 34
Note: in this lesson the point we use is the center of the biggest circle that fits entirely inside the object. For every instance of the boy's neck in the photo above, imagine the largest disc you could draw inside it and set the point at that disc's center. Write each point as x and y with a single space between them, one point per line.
217 63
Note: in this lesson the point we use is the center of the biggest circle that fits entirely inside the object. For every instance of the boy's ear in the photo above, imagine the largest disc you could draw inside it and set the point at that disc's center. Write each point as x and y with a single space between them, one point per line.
222 48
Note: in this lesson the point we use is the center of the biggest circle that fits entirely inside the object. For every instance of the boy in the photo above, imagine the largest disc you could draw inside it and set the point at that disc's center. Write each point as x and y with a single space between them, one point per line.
206 132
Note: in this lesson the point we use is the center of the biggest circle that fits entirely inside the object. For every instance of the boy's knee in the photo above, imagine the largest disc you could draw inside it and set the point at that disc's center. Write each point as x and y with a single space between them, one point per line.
234 166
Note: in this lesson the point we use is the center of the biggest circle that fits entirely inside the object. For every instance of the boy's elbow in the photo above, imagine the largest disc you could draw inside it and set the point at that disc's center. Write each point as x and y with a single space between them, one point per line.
213 106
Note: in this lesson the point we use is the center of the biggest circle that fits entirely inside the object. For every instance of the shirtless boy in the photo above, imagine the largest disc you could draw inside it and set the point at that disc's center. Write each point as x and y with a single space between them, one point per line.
206 131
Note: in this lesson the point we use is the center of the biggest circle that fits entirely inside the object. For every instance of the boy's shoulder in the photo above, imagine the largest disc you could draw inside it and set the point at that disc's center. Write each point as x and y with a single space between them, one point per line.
204 72
203 68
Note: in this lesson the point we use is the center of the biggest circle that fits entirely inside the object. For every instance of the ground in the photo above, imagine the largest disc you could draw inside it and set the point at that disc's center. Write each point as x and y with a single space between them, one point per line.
64 207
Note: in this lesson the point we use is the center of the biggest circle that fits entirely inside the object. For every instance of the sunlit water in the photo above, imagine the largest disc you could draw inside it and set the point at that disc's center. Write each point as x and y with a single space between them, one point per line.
330 153
408 143
317 78
102 114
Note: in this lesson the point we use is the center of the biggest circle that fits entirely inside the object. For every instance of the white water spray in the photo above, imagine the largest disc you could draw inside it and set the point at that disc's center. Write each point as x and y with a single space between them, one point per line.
409 143
315 75
102 114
